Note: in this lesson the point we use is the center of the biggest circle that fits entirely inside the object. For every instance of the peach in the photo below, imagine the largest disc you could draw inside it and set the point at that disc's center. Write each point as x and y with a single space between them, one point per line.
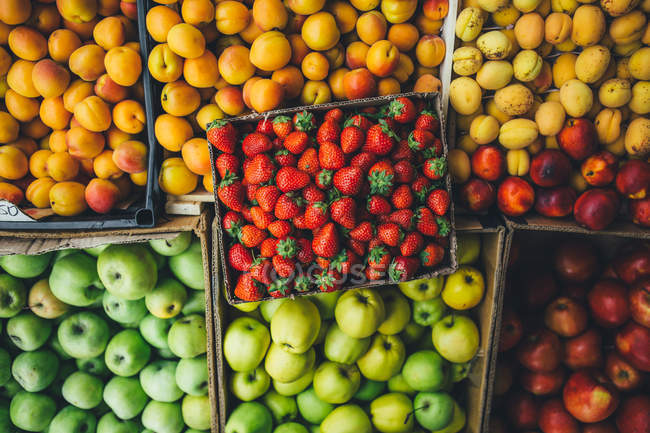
235 66
160 19
246 90
139 179
270 42
315 66
404 36
45 18
207 114
207 182
171 132
175 178
404 69
11 193
430 50
355 55
14 12
21 108
123 65
196 154
371 27
77 11
35 129
26 145
27 43
427 83
165 65
320 32
93 114
299 48
128 116
382 58
87 62
38 163
359 83
109 33
335 82
266 95
53 113
115 136
101 195
68 198
107 8
57 141
38 192
232 17
75 93
230 100
345 15
202 71
291 79
270 14
179 98
315 92
388 86
186 40
109 90
251 31
13 163
5 61
428 26
131 156
83 144
50 79
19 79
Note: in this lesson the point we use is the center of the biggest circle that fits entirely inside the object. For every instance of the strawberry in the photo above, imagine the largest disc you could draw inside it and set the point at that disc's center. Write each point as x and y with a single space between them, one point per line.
328 131
404 171
259 169
360 120
328 281
283 266
279 228
277 143
403 218
343 212
299 221
335 114
305 254
222 135
316 215
330 156
247 289
266 196
364 231
231 192
255 143
308 161
268 247
246 213
402 198
390 234
302 284
419 139
261 219
379 258
323 179
285 159
425 222
443 227
438 201
431 255
378 205
403 268
380 177
326 241
411 244
296 142
261 270
428 121
265 126
304 121
348 180
232 222
375 242
435 168
434 150
291 179
251 190
251 236
421 187
312 193
352 138
282 126
380 139
287 207
402 110
280 288
240 257
363 160
373 274
226 163
322 262
402 151
344 261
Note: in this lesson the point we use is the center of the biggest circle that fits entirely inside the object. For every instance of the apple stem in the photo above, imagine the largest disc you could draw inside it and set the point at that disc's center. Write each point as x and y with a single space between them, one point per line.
406 420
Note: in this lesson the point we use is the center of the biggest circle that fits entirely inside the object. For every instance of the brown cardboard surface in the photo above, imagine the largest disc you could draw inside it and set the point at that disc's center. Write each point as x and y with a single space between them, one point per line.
540 223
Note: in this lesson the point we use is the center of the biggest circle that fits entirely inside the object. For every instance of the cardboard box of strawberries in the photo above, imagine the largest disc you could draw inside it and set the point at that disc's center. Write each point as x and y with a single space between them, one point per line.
331 197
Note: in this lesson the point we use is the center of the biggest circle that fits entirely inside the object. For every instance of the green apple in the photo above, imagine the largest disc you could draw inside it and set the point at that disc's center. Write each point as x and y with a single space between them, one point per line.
460 371
324 327
336 383
155 330
43 303
95 251
340 347
95 366
456 338
109 423
391 413
125 396
433 410
10 389
171 247
250 417
291 427
73 420
127 271
165 354
383 359
295 325
298 385
31 411
187 336
326 303
468 248
58 255
359 312
425 371
411 333
369 389
285 366
283 408
397 383
464 288
36 370
83 390
66 368
161 261
196 411
192 375
457 422
188 266
163 417
5 366
54 344
250 385
28 331
426 313
158 380
25 266
348 418
122 310
13 296
421 290
195 303
246 307
268 308
312 408
398 312
314 428
166 300
127 353
73 280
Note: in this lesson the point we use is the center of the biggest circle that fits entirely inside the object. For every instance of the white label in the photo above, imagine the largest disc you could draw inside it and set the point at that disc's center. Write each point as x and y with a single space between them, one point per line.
11 212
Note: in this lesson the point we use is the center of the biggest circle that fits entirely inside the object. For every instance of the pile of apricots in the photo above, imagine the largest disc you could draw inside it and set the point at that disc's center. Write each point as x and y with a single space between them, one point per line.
224 59
70 104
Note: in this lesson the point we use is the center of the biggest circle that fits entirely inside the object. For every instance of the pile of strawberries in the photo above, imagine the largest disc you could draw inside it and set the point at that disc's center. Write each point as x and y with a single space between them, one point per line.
314 204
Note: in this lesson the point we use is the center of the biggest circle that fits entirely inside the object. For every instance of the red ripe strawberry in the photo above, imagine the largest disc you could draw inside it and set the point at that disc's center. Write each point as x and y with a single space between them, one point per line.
268 247
259 169
255 143
402 110
348 180
265 126
379 258
359 120
328 131
428 121
335 114
291 179
232 222
438 201
277 143
380 139
312 193
261 219
330 156
403 268
434 150
261 270
302 284
374 274
226 163
251 190
425 222
282 126
231 192
240 257
322 262
285 159
380 177
364 231
421 187
431 255
390 234
375 242
247 289
378 205
419 139
323 179
287 207
358 247
296 142
412 244
344 261
280 288
326 241
402 151
304 121
352 138
279 228
343 212
402 197
308 161
266 196
403 218
305 254
299 221
435 168
328 281
404 171
246 213
222 135
251 236
283 267
316 215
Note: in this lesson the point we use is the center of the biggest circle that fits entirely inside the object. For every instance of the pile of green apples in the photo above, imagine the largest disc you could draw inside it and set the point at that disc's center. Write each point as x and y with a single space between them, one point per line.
109 339
373 359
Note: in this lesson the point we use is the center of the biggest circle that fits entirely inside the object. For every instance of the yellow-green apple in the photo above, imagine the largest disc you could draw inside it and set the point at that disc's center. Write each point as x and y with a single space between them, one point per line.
192 375
268 308
245 343
250 385
162 417
383 359
188 266
187 336
31 411
95 366
43 303
391 413
109 423
291 427
125 312
359 312
71 419
167 299
433 410
369 389
25 266
336 383
195 303
426 313
295 387
312 408
425 371
36 370
398 312
83 390
411 333
171 247
158 381
196 411
468 248
282 408
83 335
250 417
28 331
340 347
13 296
422 290
74 280
125 396
127 271
456 338
295 325
397 383
127 353
285 366
464 288
348 418
154 331
326 303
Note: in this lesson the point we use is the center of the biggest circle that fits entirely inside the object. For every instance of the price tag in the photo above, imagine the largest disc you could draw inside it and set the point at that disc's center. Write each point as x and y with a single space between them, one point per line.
11 212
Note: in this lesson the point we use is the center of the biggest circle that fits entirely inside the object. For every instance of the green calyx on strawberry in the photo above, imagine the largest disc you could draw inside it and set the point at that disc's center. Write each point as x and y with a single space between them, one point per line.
280 288
381 182
324 178
302 283
282 119
327 281
386 129
287 248
443 226
377 254
304 121
338 261
403 268
435 167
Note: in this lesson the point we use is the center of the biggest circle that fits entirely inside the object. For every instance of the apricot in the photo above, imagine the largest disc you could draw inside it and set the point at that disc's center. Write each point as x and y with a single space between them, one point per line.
38 192
165 65
53 113
202 71
335 56
270 14
371 27
14 12
198 12
266 95
84 144
9 128
271 42
38 163
13 162
68 198
175 178
291 79
251 31
404 36
427 83
232 17
4 32
107 8
83 30
382 58
186 40
5 61
404 69
50 79
171 132
19 79
61 166
315 92
207 182
11 193
207 114
139 179
230 100
430 50
75 93
299 48
123 65
355 55
196 154
400 11
179 98
21 108
26 145
320 31
315 66
77 11
388 86
131 156
35 129
93 114
160 19
428 26
359 83
128 116
27 43
115 136
335 82
246 90
109 90
101 195
365 5
345 15
45 18
87 62
305 7
57 141
235 65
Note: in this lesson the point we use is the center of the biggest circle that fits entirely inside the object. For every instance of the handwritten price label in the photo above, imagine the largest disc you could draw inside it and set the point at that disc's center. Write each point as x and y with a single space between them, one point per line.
10 212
